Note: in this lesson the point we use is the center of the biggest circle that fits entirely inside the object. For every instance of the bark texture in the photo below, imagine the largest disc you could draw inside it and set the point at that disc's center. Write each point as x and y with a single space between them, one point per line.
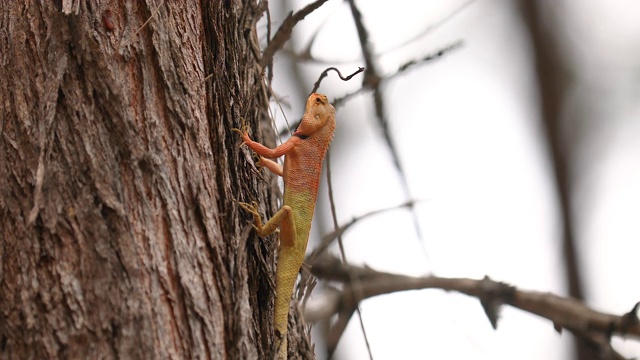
119 175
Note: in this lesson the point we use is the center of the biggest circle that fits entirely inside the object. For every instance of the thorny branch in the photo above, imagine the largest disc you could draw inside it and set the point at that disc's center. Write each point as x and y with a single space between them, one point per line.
593 326
404 67
409 65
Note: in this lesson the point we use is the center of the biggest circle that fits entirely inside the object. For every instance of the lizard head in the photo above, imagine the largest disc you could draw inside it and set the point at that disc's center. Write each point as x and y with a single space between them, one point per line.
318 113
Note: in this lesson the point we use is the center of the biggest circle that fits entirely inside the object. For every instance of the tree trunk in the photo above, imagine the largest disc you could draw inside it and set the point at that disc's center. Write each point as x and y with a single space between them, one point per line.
119 176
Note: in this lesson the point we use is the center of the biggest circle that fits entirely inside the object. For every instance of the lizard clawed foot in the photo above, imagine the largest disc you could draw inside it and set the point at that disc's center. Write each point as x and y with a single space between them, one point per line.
258 162
253 210
244 128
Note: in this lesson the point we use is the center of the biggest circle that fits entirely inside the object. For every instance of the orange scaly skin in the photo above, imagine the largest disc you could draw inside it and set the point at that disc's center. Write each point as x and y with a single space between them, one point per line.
304 153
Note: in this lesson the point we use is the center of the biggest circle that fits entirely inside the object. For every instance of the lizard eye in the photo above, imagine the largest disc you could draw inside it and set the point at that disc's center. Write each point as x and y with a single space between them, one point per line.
319 100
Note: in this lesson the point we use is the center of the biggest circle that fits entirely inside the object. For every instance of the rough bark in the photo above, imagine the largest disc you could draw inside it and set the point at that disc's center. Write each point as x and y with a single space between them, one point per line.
119 175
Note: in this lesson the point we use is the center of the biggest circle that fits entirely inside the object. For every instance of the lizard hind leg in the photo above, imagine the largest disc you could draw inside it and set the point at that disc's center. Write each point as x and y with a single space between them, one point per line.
283 219
273 166
285 277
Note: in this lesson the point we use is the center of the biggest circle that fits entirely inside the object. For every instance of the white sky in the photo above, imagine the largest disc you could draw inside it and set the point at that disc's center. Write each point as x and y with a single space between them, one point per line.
467 132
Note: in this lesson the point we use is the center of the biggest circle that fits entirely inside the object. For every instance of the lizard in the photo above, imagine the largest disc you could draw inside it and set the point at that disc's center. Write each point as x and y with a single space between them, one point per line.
303 155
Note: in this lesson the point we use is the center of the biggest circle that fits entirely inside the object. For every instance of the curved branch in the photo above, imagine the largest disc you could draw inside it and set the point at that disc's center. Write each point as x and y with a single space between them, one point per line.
316 85
567 313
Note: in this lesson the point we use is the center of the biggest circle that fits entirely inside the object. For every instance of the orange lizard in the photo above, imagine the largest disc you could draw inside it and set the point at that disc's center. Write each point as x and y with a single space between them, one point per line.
304 153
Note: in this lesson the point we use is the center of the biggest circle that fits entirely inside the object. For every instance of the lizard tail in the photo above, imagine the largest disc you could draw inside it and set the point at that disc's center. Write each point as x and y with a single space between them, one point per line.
286 275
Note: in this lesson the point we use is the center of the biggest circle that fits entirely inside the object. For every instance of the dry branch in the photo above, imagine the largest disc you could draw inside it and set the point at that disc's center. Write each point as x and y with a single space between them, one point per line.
565 313
284 32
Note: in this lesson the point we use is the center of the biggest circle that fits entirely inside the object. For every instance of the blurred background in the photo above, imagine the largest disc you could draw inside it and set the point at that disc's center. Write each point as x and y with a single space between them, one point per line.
522 147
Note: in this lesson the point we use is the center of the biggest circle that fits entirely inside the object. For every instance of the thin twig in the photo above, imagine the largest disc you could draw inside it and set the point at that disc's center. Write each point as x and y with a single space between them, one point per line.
316 85
408 65
328 238
305 55
432 27
372 79
429 57
338 328
284 32
153 14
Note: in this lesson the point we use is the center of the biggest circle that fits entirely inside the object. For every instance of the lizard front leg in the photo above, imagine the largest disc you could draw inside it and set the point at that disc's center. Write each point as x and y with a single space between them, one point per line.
262 150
